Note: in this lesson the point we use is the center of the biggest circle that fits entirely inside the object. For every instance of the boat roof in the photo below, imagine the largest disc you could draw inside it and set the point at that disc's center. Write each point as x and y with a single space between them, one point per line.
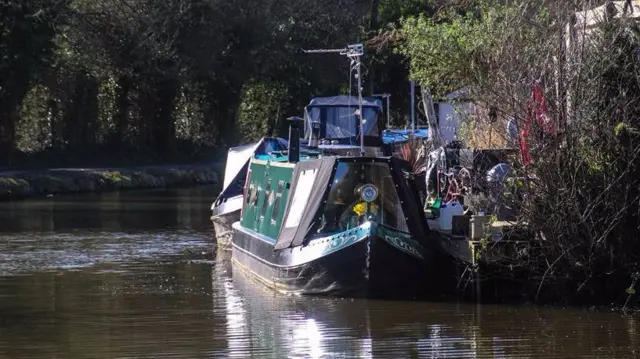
281 156
344 101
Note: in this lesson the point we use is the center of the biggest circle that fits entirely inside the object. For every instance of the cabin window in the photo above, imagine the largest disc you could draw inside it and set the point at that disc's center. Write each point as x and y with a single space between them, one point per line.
251 194
266 201
341 122
345 208
276 205
252 197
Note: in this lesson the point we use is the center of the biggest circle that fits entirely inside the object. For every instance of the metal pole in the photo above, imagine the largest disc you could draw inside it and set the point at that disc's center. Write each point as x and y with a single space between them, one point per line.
360 107
388 116
353 52
413 107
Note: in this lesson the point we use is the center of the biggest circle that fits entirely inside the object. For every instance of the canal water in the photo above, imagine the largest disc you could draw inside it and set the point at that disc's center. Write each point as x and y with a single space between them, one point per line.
133 275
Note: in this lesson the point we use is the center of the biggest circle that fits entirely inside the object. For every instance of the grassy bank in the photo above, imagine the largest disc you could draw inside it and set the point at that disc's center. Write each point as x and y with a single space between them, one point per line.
23 184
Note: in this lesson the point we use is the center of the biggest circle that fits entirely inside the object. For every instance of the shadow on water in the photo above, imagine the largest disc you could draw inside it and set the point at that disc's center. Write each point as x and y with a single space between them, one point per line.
133 275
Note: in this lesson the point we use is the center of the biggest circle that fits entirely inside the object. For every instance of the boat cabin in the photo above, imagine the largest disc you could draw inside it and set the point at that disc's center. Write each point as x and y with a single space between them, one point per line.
339 123
288 204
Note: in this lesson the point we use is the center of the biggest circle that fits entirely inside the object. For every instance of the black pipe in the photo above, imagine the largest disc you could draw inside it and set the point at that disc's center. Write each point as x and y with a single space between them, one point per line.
294 139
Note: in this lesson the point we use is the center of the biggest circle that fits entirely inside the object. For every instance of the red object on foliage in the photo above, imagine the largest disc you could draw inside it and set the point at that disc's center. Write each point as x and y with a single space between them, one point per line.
542 111
524 148
537 108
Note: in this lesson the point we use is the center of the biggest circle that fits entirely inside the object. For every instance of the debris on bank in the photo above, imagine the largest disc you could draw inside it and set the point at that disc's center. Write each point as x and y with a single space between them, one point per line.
17 184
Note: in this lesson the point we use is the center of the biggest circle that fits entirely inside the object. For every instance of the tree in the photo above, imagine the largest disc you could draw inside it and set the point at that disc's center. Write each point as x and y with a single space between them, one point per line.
27 31
580 195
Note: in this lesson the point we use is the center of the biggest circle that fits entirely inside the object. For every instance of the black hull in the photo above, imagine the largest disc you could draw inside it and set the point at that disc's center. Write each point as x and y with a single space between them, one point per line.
370 267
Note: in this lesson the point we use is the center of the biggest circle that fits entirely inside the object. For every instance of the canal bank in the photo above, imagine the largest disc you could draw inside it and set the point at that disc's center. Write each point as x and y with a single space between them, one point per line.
33 183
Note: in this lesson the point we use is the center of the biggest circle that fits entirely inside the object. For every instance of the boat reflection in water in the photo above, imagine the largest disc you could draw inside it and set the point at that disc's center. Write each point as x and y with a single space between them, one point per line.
263 323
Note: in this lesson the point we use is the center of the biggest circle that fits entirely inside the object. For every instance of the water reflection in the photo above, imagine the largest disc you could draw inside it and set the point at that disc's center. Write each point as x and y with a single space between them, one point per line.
298 327
133 275
152 210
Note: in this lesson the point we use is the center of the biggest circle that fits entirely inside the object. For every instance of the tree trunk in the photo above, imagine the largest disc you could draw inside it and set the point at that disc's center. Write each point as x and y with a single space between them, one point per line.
163 129
90 111
122 109
373 25
69 111
8 119
373 21
223 112
54 120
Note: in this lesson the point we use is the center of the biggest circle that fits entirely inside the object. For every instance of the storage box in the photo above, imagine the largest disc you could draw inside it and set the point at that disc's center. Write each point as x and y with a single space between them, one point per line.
460 225
479 227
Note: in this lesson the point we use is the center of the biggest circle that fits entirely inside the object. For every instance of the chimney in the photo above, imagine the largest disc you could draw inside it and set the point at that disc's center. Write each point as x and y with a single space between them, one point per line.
294 138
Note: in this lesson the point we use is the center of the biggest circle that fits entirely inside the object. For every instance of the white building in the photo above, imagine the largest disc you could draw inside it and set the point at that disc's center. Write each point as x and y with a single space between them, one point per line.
452 114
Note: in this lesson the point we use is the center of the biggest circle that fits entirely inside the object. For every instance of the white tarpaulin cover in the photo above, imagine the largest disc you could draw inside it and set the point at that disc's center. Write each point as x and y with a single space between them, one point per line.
236 159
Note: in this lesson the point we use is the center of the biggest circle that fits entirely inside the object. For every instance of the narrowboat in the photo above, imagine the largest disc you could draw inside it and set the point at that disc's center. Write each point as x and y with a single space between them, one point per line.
337 225
330 128
338 126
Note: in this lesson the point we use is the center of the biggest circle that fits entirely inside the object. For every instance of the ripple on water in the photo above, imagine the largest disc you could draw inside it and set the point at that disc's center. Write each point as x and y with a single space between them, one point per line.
65 251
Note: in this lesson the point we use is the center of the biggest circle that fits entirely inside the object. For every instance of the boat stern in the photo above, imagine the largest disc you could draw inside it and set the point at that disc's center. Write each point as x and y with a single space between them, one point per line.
370 260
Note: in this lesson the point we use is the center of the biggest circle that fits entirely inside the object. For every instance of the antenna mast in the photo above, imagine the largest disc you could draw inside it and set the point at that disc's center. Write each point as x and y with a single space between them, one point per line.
354 53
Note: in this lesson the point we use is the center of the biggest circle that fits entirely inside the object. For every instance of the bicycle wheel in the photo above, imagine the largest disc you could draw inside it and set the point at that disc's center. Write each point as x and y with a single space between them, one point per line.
443 184
464 181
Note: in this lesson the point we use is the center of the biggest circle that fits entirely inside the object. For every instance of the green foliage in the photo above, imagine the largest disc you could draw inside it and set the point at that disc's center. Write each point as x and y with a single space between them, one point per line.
391 11
442 53
159 77
261 111
27 30
33 120
452 50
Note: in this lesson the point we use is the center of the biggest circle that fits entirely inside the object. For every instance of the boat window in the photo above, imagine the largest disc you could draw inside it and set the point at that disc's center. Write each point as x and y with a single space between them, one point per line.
255 196
341 122
371 125
266 200
252 195
276 205
346 209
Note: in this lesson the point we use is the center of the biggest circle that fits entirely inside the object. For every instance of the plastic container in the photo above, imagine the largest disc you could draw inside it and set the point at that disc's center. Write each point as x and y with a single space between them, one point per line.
447 211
